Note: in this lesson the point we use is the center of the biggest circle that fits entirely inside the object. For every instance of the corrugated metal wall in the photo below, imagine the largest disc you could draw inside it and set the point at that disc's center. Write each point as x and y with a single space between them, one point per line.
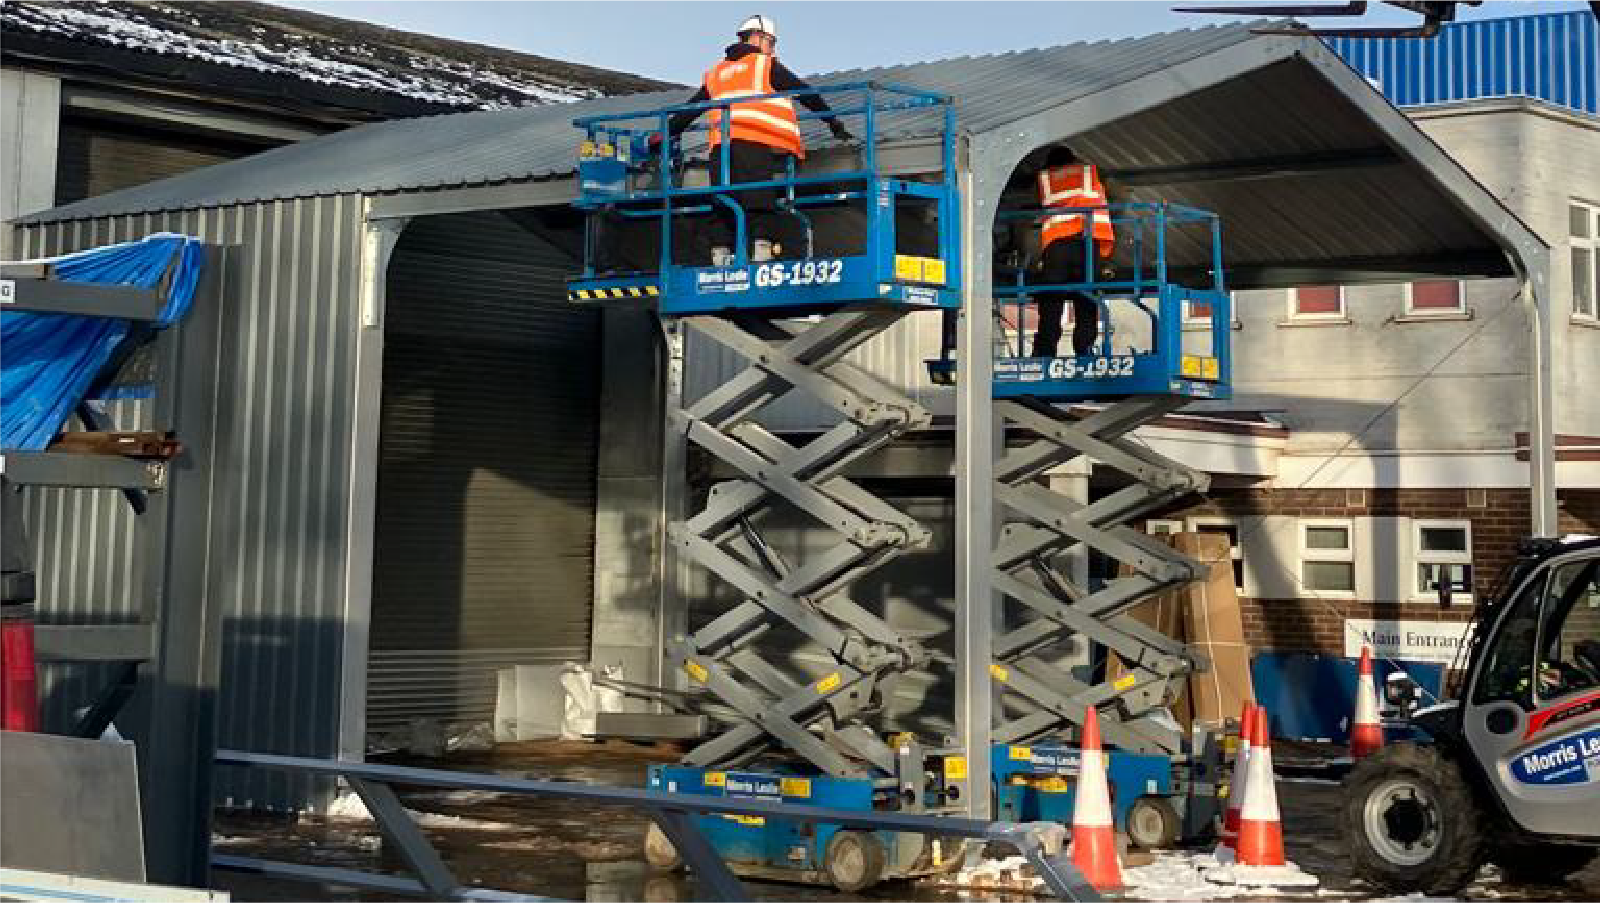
1552 57
280 499
485 536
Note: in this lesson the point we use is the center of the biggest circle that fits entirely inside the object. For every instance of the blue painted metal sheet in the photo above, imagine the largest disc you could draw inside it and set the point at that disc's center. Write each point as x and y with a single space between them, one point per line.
1550 57
1036 783
772 843
1310 697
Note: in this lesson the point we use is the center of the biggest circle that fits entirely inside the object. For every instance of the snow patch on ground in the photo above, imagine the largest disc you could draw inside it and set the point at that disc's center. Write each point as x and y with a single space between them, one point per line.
457 797
436 820
349 806
1172 875
1288 875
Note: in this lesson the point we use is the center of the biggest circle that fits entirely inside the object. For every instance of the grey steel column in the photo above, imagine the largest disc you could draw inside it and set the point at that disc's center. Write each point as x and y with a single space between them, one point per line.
673 616
1537 293
975 602
176 729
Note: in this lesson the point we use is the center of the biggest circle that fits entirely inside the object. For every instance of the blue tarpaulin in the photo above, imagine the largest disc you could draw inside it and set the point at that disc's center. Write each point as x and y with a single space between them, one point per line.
49 362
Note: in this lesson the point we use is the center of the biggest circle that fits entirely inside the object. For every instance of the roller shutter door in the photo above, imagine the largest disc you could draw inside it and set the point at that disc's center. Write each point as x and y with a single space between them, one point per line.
486 485
97 156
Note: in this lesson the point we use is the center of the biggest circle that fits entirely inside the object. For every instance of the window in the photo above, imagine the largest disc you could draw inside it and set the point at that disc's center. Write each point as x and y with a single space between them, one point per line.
1584 230
1317 302
1227 528
1568 659
1442 553
1199 314
1327 556
1433 298
1507 672
1164 527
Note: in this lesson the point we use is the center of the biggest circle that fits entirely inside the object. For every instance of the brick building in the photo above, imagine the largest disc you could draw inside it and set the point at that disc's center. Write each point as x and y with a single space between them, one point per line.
1403 457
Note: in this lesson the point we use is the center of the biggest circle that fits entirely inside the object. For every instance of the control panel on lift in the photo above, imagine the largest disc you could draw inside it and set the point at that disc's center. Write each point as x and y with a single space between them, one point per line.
852 233
1163 313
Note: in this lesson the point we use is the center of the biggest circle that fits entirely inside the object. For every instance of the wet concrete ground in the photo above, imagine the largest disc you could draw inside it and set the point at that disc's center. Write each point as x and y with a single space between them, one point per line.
571 851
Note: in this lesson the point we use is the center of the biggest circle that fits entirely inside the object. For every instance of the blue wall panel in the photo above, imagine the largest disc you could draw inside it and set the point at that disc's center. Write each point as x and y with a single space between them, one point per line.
1310 697
1551 57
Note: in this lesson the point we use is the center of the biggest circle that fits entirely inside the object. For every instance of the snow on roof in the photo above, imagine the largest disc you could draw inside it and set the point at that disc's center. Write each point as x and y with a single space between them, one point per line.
322 49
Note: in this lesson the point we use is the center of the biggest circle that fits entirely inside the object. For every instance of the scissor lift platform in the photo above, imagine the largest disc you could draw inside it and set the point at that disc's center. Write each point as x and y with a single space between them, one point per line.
784 287
621 176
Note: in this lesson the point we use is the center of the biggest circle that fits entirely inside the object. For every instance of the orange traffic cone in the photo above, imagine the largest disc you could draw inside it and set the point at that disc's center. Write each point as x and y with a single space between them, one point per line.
1238 777
1095 852
1365 736
1259 842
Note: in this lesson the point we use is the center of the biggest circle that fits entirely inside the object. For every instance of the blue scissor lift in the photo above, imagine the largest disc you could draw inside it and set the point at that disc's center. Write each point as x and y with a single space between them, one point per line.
1164 341
873 250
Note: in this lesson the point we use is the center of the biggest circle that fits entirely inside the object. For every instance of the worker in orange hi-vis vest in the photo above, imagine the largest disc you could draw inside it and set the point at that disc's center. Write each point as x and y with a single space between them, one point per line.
761 132
1066 182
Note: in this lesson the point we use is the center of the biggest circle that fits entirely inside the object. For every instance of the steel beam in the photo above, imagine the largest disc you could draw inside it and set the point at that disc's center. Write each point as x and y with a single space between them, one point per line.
94 642
64 470
85 299
1291 166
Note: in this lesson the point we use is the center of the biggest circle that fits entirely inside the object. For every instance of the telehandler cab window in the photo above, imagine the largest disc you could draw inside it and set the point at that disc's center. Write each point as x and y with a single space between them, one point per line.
1508 662
1569 658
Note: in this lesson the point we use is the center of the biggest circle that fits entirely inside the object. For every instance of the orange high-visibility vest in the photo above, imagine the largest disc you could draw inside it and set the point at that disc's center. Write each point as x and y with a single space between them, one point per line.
771 122
1075 186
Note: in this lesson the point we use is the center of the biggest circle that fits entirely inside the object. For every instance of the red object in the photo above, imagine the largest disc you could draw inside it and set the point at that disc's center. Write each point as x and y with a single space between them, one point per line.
1435 295
19 684
1095 852
1260 841
1319 299
1365 736
1238 776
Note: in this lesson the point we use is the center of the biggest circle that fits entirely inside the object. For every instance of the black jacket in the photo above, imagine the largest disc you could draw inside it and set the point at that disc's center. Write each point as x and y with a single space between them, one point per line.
782 79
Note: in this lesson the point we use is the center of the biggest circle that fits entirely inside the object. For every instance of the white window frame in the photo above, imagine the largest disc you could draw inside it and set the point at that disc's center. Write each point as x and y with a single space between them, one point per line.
1305 554
1165 527
1192 523
1434 313
1295 316
1585 243
1420 556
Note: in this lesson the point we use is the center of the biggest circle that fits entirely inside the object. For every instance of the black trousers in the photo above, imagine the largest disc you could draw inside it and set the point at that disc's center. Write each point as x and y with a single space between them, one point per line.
1063 261
748 162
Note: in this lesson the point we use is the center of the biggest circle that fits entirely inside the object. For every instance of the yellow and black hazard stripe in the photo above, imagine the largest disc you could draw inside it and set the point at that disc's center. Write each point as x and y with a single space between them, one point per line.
615 293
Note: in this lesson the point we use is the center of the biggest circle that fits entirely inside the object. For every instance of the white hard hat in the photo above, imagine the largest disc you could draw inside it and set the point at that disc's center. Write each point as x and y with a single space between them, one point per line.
764 24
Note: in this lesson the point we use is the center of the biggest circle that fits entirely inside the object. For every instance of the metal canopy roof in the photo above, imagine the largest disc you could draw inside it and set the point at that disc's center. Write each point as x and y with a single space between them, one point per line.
1314 174
538 142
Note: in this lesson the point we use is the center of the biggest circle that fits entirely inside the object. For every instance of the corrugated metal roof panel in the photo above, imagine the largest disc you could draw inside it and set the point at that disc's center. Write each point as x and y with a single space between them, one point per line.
1551 57
532 143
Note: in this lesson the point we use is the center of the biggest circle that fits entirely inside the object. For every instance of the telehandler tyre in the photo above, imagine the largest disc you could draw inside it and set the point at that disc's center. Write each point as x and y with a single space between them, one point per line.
1411 821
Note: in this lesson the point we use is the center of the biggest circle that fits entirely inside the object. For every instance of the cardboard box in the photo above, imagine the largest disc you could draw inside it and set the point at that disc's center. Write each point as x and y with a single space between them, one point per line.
1206 615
